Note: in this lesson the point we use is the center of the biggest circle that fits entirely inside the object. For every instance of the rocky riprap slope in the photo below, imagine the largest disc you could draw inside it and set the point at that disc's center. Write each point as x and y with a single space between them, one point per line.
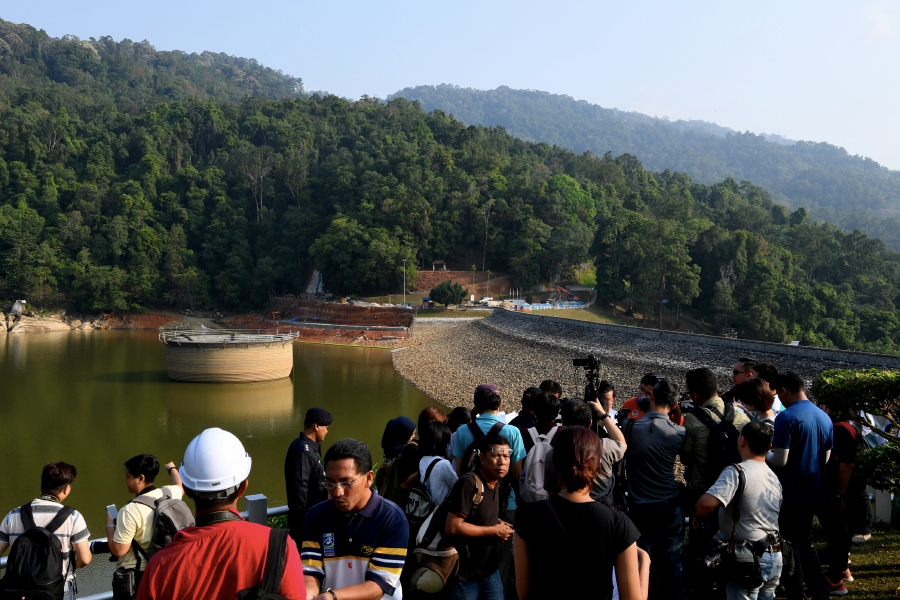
515 353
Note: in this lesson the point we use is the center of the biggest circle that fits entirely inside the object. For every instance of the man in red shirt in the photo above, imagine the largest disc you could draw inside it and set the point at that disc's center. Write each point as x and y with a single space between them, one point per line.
223 554
636 409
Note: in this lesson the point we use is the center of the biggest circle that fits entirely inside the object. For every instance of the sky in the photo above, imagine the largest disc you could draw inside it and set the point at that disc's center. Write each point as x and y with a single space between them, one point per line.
808 70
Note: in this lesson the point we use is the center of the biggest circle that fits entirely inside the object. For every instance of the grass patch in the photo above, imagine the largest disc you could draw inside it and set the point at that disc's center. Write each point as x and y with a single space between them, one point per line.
874 565
452 314
576 314
591 313
279 522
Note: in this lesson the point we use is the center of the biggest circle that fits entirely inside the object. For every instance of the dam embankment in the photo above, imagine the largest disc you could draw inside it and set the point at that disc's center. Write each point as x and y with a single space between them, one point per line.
515 351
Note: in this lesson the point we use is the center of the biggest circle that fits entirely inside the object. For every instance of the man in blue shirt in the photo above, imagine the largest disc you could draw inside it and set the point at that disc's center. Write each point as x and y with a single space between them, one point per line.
800 449
354 545
487 403
654 496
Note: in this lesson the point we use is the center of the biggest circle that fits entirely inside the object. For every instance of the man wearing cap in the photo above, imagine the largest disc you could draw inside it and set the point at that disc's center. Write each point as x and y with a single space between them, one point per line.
304 475
223 554
487 403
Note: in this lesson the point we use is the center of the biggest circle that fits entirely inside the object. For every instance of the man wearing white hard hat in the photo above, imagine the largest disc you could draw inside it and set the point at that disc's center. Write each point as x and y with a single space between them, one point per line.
223 554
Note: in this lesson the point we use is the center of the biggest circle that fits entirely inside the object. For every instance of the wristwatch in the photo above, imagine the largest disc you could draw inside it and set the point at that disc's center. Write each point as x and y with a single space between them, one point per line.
602 417
331 591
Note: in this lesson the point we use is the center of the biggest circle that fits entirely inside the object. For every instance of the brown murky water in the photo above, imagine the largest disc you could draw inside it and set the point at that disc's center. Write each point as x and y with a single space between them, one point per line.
95 399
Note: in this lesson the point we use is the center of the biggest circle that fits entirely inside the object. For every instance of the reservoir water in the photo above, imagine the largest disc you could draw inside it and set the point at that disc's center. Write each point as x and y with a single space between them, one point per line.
95 399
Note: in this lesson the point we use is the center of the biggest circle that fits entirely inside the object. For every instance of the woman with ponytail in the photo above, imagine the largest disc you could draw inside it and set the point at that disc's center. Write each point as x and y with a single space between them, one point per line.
566 546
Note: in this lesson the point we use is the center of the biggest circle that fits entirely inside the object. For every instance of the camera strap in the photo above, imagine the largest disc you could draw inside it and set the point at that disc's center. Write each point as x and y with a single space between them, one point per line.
736 501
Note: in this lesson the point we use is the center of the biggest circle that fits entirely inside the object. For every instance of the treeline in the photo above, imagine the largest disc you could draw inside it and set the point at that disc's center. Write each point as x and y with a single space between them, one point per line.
211 202
801 174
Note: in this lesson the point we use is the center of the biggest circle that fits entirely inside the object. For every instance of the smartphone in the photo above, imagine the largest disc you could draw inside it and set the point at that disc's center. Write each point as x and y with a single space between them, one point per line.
111 509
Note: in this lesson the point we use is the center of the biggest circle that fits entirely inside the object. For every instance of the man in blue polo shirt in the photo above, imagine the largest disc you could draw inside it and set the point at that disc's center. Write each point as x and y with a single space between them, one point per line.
487 403
355 545
802 443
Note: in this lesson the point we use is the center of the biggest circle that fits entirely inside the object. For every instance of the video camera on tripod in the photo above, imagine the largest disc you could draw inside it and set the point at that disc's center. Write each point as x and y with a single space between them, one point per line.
592 368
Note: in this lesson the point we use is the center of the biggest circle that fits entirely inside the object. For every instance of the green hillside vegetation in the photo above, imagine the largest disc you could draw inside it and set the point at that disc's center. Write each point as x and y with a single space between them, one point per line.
94 76
112 200
814 175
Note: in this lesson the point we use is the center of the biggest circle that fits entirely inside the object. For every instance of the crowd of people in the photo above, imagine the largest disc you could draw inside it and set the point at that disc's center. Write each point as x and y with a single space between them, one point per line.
566 497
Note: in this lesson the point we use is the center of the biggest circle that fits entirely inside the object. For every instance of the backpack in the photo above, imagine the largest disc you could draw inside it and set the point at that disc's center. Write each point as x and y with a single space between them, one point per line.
169 517
721 445
35 565
419 504
389 486
276 557
531 488
480 442
438 559
620 487
856 432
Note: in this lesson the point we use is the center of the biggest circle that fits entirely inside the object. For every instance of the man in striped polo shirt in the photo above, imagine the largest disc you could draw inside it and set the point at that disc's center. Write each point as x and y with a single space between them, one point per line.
354 544
73 535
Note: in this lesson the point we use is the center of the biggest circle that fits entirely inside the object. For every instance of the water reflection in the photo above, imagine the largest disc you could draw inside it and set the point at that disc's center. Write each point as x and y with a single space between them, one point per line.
95 399
261 407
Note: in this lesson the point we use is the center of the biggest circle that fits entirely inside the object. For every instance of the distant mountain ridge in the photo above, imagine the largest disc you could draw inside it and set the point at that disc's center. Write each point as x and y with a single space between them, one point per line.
34 64
816 175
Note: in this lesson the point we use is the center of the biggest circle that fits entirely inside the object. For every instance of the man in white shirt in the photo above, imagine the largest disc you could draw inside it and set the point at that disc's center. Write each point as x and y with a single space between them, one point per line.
73 535
135 520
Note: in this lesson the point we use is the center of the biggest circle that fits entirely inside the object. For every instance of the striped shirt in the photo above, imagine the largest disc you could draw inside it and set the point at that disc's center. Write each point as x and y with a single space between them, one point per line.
74 530
344 549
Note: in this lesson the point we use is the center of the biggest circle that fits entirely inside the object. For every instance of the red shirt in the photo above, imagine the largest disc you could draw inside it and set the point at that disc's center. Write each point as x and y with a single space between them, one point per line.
217 561
631 407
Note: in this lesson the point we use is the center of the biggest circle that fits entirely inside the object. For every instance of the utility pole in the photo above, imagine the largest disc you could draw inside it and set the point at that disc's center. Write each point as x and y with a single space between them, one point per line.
404 282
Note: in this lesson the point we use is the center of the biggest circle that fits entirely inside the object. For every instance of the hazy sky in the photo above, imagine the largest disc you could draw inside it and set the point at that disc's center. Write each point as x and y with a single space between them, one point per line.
818 70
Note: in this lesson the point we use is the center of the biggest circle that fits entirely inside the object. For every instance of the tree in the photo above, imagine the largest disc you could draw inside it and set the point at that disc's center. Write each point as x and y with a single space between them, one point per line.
256 164
448 293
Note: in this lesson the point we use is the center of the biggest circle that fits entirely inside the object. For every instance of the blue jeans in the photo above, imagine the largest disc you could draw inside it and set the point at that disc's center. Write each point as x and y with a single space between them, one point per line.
69 590
489 589
662 536
770 568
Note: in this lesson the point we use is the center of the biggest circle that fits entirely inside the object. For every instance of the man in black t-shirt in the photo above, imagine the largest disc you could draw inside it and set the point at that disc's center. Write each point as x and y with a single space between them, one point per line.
476 531
525 418
842 486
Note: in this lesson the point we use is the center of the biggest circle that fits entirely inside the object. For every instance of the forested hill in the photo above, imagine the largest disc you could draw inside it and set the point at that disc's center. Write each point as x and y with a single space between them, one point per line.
119 191
130 75
801 174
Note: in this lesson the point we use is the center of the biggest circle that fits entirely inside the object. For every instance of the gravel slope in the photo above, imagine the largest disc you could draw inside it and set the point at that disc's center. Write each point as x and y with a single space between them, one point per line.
517 353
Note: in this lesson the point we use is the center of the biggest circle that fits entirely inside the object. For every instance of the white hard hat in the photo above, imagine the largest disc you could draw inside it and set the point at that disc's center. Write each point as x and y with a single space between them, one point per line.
215 464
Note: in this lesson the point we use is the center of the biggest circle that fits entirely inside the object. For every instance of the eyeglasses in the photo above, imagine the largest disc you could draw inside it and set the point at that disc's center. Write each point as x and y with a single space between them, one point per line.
736 372
341 484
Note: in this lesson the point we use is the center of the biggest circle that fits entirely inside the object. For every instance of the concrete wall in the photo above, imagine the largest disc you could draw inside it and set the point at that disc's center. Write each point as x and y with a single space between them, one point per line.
742 346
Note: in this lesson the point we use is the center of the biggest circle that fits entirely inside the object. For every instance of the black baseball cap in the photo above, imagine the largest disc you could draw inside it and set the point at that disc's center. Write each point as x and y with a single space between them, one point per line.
319 416
529 395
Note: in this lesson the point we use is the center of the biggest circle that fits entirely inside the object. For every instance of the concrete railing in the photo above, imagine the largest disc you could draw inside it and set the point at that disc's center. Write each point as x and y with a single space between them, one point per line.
258 511
745 346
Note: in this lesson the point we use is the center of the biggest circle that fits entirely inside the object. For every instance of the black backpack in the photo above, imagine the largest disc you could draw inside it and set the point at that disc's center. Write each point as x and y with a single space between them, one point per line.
419 504
35 566
721 445
270 586
480 442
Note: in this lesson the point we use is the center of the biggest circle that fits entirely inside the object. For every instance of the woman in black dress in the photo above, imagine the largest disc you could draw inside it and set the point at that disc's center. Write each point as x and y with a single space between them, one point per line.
567 546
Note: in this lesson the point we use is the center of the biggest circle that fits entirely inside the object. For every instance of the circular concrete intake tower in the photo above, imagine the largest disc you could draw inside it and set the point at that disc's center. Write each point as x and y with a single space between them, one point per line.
228 355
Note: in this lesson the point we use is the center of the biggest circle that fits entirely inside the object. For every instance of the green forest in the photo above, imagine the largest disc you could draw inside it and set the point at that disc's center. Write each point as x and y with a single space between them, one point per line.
131 178
814 175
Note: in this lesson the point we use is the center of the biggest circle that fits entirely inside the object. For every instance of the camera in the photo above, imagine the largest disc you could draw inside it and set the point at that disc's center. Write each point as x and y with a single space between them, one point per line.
685 403
591 363
591 366
711 561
